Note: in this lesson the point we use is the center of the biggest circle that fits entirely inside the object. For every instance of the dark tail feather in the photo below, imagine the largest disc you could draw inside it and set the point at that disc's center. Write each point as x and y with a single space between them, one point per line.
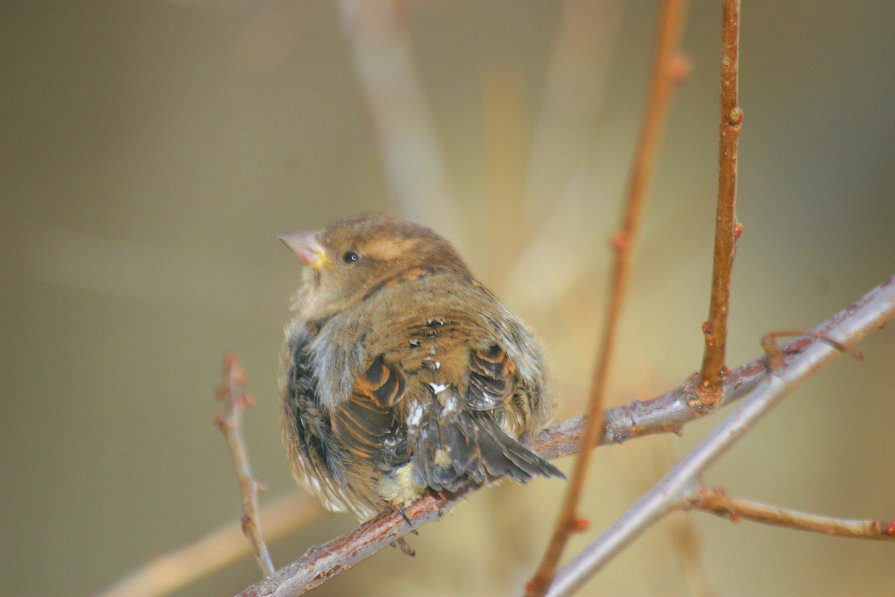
473 448
506 457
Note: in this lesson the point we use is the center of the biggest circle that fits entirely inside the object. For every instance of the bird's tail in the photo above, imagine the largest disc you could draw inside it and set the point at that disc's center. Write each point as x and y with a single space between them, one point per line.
472 447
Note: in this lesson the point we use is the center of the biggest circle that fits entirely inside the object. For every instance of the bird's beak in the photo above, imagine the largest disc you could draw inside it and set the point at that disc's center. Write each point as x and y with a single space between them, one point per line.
306 246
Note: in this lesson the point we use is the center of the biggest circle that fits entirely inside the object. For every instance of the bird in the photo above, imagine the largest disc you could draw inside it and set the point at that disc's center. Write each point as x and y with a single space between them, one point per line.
401 373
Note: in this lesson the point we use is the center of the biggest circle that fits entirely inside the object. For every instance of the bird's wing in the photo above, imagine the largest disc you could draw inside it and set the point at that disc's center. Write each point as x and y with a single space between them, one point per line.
491 378
459 438
365 421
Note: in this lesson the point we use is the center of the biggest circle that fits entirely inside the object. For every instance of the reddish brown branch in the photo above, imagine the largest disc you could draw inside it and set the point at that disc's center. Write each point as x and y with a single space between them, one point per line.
174 570
848 326
666 413
236 399
667 72
716 501
726 228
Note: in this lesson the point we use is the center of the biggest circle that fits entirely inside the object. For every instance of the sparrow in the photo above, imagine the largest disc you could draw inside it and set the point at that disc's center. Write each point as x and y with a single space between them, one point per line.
402 373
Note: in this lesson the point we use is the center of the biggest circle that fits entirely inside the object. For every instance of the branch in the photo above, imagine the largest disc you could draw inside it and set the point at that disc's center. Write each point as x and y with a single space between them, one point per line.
666 413
222 547
664 78
726 228
716 501
869 313
231 392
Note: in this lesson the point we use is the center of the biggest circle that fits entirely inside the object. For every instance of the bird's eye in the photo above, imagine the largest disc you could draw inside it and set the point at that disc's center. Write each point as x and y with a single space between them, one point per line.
350 257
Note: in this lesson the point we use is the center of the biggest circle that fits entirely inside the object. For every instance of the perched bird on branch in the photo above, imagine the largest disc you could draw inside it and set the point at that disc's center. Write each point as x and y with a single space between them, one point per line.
401 372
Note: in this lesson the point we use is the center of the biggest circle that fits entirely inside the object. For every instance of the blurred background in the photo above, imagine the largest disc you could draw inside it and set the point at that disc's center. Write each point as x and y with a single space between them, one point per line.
151 151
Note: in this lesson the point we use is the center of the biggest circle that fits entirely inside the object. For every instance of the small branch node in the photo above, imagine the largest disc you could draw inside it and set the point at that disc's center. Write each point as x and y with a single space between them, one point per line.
621 240
679 68
221 423
735 116
884 527
248 524
579 525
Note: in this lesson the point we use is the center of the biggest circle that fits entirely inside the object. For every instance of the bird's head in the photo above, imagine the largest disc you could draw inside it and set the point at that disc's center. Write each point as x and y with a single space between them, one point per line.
349 258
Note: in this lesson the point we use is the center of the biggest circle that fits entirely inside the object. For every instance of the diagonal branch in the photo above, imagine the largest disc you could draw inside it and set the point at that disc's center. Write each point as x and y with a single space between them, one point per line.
869 313
667 413
224 546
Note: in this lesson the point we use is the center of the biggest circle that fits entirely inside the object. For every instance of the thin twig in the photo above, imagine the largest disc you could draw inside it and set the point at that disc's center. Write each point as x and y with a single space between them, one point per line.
726 228
663 81
236 399
869 313
775 353
716 501
667 413
216 550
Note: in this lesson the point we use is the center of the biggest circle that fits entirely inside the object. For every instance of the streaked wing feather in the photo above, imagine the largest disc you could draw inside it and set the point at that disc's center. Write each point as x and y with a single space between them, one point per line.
364 421
491 378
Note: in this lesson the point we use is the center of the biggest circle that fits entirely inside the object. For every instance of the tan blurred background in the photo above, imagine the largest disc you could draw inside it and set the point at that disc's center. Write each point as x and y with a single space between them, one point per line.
151 151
